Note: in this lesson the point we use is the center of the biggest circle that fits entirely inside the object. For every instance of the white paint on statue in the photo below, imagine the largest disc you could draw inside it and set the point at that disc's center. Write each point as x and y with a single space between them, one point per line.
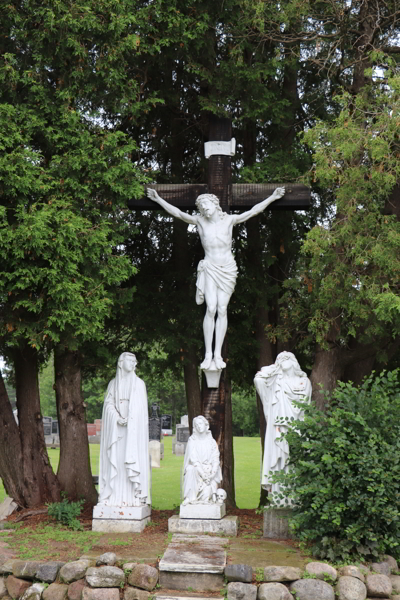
278 385
124 478
217 272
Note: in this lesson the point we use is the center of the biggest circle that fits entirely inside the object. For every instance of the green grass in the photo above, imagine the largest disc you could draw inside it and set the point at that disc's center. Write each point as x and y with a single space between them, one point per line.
166 481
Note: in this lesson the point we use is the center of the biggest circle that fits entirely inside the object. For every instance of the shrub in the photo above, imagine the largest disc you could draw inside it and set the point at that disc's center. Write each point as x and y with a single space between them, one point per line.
66 512
345 471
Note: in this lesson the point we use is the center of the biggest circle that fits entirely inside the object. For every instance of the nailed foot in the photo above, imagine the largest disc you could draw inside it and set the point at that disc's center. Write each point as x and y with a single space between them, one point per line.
206 364
219 363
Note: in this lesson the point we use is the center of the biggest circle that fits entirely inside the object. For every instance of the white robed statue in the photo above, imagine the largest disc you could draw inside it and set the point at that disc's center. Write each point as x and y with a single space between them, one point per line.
278 385
201 469
124 478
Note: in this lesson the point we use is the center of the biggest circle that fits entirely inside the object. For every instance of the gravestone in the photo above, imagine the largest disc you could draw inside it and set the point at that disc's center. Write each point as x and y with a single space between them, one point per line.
154 423
47 426
166 424
182 436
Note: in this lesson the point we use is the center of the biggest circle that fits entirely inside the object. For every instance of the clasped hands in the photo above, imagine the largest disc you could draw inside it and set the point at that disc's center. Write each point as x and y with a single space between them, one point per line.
122 421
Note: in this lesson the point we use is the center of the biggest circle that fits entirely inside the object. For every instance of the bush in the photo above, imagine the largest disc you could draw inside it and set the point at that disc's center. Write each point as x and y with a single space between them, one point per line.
66 512
345 472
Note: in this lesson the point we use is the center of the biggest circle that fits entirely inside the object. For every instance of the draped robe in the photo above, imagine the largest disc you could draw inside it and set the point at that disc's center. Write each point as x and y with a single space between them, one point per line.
124 476
201 451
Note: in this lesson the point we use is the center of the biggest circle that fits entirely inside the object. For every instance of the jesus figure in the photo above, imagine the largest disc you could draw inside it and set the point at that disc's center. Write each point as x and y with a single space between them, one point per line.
217 272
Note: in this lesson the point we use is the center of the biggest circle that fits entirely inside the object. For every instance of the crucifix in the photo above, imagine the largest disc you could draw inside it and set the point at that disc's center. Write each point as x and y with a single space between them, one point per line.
216 284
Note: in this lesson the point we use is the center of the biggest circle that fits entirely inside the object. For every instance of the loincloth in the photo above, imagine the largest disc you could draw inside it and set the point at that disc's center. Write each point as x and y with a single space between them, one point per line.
224 277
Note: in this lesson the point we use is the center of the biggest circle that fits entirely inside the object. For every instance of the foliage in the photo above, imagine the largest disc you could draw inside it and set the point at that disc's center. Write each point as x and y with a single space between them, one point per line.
245 419
66 512
344 471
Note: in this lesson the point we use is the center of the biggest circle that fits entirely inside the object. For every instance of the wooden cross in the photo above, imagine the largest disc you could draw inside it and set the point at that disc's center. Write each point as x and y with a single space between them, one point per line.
231 197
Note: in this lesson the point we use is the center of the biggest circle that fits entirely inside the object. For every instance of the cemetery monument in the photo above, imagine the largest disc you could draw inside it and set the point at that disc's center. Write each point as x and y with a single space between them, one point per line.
124 474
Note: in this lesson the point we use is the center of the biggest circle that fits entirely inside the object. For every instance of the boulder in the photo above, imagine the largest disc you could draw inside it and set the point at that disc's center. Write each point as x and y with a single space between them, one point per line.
320 569
282 573
243 573
378 586
273 591
136 594
3 589
105 577
241 591
16 587
100 594
108 558
55 591
144 577
392 562
75 570
312 589
48 572
352 571
395 579
26 569
75 589
7 567
350 588
34 592
381 567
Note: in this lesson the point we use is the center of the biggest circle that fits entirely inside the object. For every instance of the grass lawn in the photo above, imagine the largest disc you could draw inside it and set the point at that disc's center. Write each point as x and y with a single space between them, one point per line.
166 481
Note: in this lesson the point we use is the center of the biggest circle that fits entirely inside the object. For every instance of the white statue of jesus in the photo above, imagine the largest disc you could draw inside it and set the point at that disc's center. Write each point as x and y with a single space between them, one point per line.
216 274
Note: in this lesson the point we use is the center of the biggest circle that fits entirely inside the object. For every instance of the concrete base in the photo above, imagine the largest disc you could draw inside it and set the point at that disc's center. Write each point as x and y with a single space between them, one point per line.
227 526
213 375
198 582
202 511
120 519
276 524
119 526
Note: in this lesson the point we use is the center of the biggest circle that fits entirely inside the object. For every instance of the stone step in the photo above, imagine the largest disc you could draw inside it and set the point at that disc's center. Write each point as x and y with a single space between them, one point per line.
194 561
177 597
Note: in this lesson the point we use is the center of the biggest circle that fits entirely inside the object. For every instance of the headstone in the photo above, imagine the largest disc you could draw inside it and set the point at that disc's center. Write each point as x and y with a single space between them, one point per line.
182 436
154 423
46 426
155 453
91 429
166 424
124 503
185 421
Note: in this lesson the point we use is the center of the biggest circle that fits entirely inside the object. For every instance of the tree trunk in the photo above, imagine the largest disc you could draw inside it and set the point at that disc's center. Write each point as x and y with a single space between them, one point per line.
74 472
39 483
11 451
192 385
328 368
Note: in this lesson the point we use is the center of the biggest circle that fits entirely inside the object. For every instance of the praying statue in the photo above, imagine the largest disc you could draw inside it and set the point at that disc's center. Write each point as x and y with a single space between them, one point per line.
217 272
278 385
201 469
124 478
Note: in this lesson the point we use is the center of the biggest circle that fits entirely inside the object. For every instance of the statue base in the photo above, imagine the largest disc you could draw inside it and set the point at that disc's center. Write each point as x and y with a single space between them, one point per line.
228 526
202 511
120 519
213 375
276 524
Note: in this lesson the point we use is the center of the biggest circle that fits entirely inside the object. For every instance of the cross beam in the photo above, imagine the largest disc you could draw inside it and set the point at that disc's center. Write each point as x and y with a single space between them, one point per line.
244 196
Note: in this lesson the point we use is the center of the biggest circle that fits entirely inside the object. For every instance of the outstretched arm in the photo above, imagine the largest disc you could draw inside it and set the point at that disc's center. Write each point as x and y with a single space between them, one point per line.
172 210
258 208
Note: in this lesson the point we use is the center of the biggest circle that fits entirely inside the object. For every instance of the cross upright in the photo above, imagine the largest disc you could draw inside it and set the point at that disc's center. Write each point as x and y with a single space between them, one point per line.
237 196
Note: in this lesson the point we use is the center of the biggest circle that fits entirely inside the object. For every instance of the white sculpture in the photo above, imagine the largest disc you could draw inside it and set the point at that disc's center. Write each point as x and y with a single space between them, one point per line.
278 385
216 274
201 469
220 496
124 478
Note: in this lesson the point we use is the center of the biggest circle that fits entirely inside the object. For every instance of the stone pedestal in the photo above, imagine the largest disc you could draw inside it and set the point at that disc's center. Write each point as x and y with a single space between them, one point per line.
202 511
228 526
120 519
213 375
155 454
276 524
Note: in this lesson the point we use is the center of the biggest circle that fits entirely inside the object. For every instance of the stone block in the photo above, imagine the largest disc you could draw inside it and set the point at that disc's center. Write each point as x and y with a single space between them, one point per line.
312 589
16 587
352 571
108 558
350 588
199 582
26 569
119 526
34 592
273 591
74 570
180 448
56 591
48 572
105 577
155 454
276 523
227 526
243 573
241 591
320 569
135 513
143 577
202 511
7 507
7 567
282 573
381 567
378 586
